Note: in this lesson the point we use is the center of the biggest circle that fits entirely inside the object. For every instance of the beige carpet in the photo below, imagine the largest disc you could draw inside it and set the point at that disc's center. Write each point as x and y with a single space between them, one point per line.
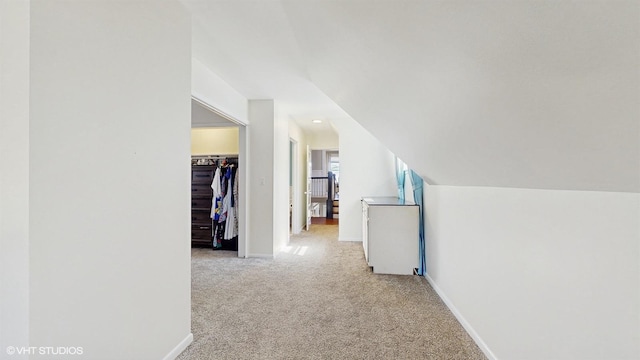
319 300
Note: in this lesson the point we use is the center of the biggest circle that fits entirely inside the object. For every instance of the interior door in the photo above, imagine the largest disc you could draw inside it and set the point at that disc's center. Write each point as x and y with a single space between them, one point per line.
308 192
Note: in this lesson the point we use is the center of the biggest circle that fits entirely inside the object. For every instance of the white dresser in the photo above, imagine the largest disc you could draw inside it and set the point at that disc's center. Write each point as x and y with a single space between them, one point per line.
390 235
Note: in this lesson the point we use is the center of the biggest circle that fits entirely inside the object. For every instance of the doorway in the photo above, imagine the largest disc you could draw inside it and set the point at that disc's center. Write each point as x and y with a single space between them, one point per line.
204 115
325 187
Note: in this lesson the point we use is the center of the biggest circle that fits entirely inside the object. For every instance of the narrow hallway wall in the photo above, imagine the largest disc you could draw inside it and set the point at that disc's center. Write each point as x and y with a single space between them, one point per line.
14 175
109 177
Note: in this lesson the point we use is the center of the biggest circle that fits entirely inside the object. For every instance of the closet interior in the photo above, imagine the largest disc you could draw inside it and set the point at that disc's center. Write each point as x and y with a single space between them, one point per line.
214 202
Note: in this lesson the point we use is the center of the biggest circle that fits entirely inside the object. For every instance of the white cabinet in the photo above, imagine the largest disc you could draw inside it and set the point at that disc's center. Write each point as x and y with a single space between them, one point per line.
390 235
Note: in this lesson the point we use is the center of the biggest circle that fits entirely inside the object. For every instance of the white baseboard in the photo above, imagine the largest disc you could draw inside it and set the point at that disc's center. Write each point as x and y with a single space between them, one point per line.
262 256
179 348
465 324
350 239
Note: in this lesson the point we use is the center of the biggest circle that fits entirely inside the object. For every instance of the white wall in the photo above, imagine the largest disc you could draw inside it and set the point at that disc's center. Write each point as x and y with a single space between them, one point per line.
326 139
539 274
296 133
261 178
366 169
280 181
14 175
109 224
211 89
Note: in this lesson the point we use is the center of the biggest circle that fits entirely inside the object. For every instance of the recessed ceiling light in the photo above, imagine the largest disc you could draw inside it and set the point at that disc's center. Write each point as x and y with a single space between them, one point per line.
316 121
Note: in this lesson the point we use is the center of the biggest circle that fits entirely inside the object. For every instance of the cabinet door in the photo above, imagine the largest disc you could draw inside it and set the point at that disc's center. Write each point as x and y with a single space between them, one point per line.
201 203
200 217
201 190
201 232
393 239
202 175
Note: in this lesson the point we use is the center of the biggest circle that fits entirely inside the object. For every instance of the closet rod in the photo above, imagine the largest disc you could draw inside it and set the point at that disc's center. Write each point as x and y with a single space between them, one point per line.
214 157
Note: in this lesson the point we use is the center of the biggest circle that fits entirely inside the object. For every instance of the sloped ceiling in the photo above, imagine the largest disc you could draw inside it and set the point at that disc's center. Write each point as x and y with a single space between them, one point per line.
251 46
201 116
527 94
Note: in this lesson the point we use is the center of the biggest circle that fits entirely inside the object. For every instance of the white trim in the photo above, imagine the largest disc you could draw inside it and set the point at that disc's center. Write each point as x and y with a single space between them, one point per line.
243 190
350 239
217 111
260 256
179 348
465 324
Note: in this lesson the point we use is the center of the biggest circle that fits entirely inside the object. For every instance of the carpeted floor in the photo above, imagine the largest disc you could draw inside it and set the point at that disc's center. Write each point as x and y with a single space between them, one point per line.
318 300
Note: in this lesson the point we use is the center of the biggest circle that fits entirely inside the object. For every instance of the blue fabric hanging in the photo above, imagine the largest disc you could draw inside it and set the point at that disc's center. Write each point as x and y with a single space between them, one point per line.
400 175
418 197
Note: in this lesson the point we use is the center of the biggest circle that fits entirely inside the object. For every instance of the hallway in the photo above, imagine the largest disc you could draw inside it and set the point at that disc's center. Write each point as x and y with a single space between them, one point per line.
316 300
324 221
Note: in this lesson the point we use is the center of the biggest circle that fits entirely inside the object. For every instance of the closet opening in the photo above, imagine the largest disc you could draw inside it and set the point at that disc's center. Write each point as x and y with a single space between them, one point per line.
218 205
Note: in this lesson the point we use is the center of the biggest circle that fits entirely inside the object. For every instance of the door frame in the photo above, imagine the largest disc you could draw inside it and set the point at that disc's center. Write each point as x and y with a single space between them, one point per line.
295 183
308 190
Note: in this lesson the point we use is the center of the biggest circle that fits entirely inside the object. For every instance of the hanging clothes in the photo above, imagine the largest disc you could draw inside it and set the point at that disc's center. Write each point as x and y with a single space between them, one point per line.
235 203
217 192
231 210
222 205
219 235
224 210
215 206
229 217
226 204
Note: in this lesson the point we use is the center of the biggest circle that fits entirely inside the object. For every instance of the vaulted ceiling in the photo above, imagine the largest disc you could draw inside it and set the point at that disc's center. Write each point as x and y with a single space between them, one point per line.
528 94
